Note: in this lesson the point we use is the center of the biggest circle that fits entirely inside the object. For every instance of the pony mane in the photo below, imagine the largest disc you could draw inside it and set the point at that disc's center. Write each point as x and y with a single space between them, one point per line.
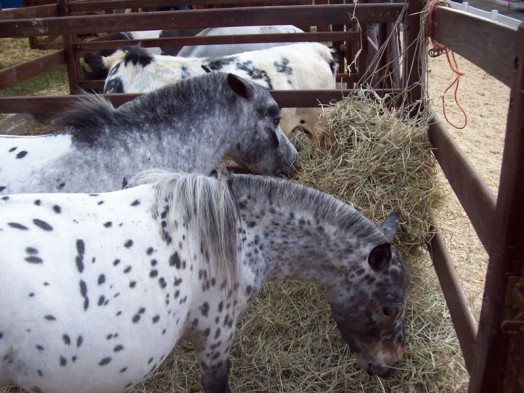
93 112
203 205
87 112
323 206
208 205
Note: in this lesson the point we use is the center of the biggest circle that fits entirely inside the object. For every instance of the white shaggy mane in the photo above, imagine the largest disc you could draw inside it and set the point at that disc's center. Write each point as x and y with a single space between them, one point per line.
206 205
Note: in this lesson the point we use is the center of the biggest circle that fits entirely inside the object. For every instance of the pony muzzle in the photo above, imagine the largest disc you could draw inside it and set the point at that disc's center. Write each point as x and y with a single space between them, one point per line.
379 369
288 171
384 361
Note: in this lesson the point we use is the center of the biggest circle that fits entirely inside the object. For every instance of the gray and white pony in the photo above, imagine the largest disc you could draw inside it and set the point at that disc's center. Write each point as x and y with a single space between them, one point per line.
189 126
96 289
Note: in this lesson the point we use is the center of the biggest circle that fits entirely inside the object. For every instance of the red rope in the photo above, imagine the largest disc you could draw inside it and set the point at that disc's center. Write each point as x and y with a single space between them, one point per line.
438 49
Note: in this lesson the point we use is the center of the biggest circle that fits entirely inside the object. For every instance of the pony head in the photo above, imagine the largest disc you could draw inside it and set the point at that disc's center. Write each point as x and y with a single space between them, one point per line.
264 149
369 308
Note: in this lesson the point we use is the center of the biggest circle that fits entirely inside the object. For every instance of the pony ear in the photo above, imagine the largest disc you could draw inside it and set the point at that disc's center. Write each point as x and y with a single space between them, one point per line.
390 225
380 257
239 86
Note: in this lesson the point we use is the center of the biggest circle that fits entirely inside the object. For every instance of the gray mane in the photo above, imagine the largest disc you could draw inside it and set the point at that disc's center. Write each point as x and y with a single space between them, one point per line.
93 112
211 204
323 206
205 207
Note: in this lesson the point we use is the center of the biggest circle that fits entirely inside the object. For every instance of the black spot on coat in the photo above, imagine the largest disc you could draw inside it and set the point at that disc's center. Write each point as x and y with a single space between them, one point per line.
80 248
33 259
174 260
17 226
204 309
104 361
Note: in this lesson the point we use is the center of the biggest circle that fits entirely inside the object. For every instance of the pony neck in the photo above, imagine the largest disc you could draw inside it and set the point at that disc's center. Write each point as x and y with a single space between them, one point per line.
293 232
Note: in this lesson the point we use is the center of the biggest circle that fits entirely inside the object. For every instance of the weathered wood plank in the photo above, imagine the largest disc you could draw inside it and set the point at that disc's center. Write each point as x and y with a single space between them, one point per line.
412 66
463 321
487 44
19 73
59 103
310 15
89 6
284 98
223 39
41 11
499 364
476 198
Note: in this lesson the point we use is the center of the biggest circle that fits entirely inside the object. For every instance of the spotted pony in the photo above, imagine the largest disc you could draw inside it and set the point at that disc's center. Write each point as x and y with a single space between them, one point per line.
189 126
96 289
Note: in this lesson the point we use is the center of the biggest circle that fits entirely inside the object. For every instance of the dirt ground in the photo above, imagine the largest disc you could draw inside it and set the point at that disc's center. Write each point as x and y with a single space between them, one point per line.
485 101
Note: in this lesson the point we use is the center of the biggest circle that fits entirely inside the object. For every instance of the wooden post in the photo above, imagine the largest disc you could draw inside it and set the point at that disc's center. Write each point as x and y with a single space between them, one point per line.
413 74
499 356
70 60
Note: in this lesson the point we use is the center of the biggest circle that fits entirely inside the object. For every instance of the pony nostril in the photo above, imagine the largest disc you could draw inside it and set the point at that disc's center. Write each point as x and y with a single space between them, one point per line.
279 173
380 370
369 369
391 311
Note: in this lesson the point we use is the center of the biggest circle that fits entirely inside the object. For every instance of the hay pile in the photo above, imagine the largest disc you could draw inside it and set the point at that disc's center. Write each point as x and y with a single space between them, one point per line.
378 159
287 342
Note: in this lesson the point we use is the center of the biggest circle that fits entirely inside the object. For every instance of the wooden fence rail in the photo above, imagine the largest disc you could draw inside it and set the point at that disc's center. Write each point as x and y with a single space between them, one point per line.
495 362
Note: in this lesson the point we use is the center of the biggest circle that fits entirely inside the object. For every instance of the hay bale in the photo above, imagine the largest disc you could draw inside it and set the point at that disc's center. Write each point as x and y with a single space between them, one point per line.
377 158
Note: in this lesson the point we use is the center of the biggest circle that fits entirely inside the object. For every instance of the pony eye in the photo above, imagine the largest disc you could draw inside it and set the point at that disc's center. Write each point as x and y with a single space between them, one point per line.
276 121
390 312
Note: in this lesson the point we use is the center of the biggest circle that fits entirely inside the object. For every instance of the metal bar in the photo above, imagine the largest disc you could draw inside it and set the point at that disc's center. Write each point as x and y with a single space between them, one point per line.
499 365
252 16
476 198
463 321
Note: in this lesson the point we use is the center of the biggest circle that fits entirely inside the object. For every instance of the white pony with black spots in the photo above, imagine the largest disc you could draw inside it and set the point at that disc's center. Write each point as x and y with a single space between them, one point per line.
96 289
